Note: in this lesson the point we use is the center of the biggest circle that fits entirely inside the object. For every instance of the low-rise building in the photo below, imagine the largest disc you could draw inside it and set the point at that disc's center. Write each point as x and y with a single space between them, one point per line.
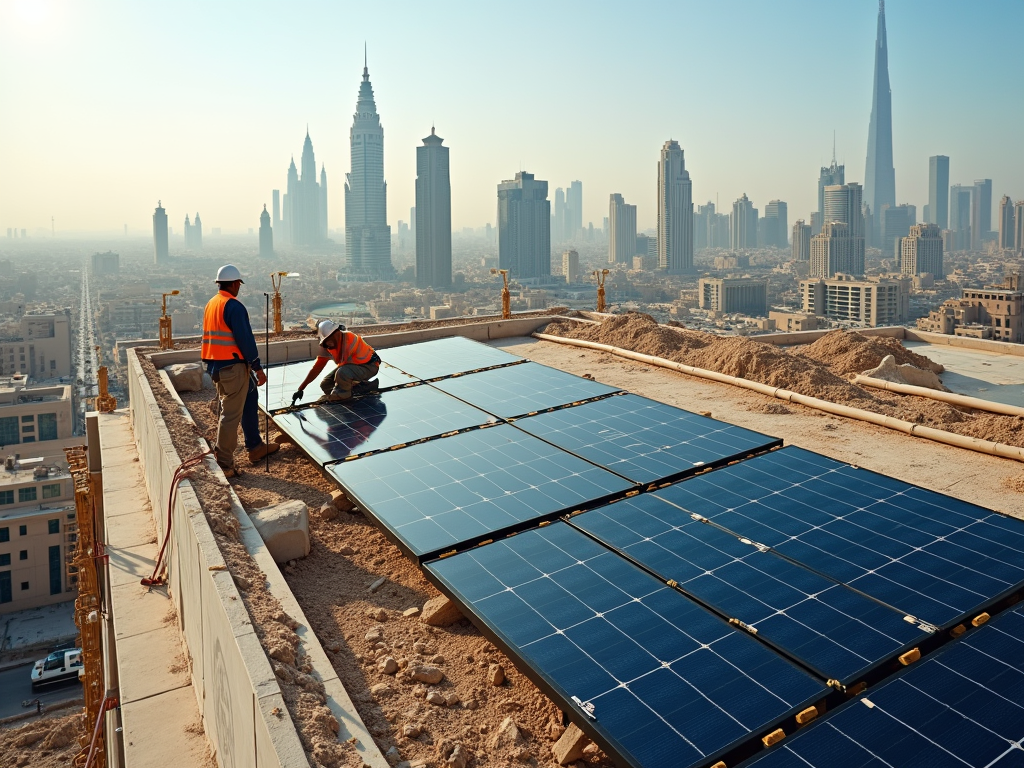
987 313
39 347
871 302
740 295
794 321
40 416
38 534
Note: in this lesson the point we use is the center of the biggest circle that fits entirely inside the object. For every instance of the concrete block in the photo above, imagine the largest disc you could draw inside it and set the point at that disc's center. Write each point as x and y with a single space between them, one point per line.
569 747
151 663
186 377
161 726
440 612
888 370
285 529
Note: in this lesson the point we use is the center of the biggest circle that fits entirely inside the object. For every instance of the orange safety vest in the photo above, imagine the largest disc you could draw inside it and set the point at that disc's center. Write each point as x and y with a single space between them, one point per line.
218 340
352 350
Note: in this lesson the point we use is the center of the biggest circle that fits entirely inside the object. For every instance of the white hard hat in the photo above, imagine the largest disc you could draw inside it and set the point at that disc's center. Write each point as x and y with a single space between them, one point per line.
228 274
326 327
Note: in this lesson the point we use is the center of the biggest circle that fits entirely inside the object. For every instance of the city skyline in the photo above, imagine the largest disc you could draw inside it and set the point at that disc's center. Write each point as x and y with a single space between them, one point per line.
104 167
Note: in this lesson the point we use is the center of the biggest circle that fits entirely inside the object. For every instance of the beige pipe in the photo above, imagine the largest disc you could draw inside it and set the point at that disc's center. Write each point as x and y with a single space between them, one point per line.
946 397
938 435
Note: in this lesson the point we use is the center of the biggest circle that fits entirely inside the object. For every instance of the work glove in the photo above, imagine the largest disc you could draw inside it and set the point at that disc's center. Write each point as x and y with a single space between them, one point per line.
296 397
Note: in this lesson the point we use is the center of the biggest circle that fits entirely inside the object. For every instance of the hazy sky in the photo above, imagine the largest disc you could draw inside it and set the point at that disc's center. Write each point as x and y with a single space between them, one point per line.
108 105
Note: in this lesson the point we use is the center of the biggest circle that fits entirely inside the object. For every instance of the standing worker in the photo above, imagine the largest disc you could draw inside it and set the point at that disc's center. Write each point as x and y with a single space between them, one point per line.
231 356
357 364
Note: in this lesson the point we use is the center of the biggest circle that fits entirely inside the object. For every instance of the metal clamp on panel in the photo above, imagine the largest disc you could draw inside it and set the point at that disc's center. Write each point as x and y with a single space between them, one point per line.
586 706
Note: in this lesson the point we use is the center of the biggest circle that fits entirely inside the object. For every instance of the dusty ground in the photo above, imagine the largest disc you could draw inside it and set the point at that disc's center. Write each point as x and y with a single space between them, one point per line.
48 742
348 553
819 370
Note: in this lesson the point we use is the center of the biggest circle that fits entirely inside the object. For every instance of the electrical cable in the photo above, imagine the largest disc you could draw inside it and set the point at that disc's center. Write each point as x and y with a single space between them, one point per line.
179 475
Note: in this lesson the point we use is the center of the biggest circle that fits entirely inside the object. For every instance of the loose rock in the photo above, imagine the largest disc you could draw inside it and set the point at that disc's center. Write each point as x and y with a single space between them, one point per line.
410 612
388 665
378 584
436 698
380 690
569 748
328 511
507 736
495 674
375 635
440 612
426 674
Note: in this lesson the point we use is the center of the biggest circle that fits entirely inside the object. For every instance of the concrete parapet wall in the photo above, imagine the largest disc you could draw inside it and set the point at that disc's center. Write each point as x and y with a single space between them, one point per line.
807 337
966 342
306 349
235 686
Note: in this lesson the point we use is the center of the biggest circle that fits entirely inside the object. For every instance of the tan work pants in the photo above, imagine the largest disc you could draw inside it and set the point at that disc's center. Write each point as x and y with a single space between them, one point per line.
232 388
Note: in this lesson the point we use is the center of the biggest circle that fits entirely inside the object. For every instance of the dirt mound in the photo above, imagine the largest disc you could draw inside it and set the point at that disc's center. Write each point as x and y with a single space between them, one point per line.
50 741
732 355
846 352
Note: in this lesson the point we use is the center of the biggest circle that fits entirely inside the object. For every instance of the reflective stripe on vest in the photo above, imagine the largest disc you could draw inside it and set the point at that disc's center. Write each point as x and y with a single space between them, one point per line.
352 350
218 340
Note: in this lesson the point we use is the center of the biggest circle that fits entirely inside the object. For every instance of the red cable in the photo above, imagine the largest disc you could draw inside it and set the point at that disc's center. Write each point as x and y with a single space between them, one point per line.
179 475
108 703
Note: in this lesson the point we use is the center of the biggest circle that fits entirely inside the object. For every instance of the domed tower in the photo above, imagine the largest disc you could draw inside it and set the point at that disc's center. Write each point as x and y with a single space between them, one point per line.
266 235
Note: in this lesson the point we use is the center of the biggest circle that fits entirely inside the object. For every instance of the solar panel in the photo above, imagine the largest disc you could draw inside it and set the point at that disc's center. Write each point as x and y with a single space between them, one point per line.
521 389
445 357
668 682
835 631
962 706
472 486
337 431
934 557
283 380
643 439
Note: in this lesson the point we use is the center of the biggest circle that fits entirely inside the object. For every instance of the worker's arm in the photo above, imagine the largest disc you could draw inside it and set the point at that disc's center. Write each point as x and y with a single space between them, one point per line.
318 366
237 319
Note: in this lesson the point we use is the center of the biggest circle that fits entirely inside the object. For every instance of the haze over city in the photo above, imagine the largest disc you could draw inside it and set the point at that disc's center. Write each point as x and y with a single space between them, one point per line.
111 106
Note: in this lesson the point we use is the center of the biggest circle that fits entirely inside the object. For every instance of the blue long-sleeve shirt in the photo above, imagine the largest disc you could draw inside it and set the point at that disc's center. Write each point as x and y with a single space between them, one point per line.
236 317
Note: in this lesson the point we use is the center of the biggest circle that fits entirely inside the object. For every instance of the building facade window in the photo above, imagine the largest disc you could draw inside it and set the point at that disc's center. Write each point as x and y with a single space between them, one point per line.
47 426
23 530
23 554
6 497
5 559
55 571
24 586
51 491
5 587
30 419
27 494
9 430
53 526
5 533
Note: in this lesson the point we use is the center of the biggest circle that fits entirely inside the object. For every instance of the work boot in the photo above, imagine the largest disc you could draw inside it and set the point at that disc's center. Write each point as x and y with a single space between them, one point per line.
365 387
262 450
337 396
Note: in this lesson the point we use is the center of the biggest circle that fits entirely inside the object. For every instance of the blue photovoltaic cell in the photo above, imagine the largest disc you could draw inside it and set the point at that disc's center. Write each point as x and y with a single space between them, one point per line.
335 431
671 684
838 632
445 357
521 389
283 380
468 487
963 706
934 557
643 439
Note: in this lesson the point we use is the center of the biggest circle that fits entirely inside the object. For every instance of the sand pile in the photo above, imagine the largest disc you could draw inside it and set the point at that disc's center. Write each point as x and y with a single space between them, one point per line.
849 352
50 741
731 355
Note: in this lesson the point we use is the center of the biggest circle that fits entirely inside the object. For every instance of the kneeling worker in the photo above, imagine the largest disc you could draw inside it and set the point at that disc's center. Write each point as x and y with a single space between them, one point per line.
357 364
231 355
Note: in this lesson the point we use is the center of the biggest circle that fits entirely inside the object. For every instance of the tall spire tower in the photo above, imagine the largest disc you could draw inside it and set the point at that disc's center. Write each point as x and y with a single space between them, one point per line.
879 175
367 234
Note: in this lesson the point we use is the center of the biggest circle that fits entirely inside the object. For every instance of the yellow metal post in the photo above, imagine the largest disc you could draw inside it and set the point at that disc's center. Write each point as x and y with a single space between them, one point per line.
600 274
506 297
166 341
87 609
276 278
105 402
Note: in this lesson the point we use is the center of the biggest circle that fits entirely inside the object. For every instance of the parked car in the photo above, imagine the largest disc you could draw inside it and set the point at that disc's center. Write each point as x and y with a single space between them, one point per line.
58 666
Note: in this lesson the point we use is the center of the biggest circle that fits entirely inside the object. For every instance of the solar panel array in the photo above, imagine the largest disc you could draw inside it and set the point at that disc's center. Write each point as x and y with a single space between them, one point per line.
675 583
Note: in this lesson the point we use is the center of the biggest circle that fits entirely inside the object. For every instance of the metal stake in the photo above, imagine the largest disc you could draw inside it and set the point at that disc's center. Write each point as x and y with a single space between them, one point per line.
266 398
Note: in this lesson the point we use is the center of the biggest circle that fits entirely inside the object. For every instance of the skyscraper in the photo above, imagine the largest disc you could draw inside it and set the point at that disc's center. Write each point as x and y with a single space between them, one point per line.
305 202
896 223
743 224
193 233
266 235
434 208
1018 227
921 251
524 227
981 213
160 252
622 238
367 234
960 215
558 222
801 241
1005 224
880 176
574 210
938 191
843 203
832 251
276 199
829 177
571 266
675 211
776 224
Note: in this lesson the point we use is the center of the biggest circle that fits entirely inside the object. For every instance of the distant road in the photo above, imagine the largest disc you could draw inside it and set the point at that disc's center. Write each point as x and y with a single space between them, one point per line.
16 687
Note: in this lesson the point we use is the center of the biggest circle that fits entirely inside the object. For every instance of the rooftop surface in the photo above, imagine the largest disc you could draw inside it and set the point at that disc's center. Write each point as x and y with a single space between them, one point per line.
976 372
349 555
